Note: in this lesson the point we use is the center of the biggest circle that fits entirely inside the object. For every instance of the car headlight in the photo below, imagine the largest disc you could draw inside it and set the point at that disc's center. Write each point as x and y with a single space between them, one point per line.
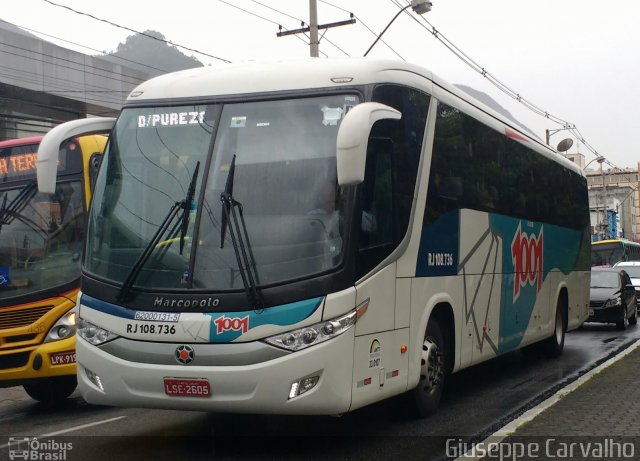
93 333
63 328
613 302
311 335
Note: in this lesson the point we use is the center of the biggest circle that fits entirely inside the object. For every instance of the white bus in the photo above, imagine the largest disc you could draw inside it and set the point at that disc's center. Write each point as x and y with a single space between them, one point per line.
311 237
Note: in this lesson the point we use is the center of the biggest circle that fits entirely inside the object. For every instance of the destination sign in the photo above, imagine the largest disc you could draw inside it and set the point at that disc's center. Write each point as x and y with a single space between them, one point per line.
18 165
19 162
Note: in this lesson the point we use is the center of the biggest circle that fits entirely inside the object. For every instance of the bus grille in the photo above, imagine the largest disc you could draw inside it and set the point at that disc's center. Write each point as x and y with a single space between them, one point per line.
14 360
22 317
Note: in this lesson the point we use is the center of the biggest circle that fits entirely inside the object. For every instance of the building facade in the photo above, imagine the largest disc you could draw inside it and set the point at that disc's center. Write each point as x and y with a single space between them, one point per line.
613 199
43 85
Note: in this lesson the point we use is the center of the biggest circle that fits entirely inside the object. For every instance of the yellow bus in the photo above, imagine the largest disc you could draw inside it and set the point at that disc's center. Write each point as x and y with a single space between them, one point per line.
41 240
609 252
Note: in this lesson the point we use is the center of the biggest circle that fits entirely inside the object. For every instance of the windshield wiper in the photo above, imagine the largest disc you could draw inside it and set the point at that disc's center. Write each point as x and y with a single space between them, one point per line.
185 206
9 211
233 217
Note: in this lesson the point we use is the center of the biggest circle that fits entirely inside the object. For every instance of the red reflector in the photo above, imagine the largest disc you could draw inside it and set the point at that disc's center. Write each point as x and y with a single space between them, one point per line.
367 381
395 373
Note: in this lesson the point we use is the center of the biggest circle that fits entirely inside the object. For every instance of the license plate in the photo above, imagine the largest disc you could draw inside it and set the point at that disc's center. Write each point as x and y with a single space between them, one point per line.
187 387
591 312
63 358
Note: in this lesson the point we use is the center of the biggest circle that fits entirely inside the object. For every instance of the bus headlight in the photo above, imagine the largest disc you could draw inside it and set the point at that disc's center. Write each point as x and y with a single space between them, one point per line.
63 328
93 333
311 335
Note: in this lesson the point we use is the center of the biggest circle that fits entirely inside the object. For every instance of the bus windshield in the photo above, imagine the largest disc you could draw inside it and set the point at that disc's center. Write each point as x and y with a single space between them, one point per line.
283 183
606 254
41 235
41 240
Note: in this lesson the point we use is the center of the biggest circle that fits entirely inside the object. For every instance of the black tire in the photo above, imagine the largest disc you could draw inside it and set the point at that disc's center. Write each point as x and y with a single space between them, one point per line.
623 323
634 318
554 345
433 367
51 390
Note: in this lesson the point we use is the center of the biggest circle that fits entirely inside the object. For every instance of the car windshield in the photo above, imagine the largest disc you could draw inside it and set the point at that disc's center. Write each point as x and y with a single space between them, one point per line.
283 183
606 279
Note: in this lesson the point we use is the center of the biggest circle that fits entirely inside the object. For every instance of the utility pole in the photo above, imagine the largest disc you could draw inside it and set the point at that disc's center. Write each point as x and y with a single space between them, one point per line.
314 27
314 42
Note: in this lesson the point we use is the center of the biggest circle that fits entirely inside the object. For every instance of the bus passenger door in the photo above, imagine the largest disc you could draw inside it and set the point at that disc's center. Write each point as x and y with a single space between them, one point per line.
380 365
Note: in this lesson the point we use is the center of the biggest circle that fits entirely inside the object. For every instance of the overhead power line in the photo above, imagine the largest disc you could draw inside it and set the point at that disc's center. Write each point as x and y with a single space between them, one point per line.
263 18
360 21
496 82
168 42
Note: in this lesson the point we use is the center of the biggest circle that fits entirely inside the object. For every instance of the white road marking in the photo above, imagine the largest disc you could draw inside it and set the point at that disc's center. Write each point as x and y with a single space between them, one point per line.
72 429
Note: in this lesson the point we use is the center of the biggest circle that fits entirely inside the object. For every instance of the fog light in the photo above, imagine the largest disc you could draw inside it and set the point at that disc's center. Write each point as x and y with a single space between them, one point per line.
94 378
303 385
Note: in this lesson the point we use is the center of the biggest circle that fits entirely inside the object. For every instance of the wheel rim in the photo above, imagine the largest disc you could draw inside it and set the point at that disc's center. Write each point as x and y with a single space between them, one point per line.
432 366
558 327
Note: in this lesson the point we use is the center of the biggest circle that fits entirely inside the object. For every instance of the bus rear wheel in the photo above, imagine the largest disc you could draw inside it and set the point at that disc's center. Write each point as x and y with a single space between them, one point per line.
554 345
432 370
51 390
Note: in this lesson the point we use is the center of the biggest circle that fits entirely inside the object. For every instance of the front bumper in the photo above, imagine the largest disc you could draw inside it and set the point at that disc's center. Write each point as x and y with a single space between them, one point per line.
606 314
249 388
18 366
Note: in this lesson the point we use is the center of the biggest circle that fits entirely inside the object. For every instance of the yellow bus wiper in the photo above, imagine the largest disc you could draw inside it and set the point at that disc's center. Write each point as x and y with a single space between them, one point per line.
9 211
239 239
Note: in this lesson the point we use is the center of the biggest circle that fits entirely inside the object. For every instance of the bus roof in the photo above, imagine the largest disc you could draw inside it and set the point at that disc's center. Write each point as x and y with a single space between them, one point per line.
254 77
625 241
20 142
263 77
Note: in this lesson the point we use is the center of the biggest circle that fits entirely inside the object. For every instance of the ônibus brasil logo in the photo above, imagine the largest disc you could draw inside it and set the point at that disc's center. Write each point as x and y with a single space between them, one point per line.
526 254
235 324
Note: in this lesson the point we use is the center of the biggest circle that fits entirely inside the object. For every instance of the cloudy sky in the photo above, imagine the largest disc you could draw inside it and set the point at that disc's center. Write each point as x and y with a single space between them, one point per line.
577 60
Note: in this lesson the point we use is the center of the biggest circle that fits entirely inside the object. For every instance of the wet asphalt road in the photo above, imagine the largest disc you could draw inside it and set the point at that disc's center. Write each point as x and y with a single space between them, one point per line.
477 402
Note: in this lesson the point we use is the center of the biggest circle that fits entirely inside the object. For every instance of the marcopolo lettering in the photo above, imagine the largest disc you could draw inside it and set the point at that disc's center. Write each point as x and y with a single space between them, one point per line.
161 301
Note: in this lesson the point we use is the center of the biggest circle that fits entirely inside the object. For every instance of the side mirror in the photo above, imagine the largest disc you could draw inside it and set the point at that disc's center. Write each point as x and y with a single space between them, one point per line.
94 168
47 162
352 139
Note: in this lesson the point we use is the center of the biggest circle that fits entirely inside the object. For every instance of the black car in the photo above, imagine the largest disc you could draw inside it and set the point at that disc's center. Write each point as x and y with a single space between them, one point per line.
612 297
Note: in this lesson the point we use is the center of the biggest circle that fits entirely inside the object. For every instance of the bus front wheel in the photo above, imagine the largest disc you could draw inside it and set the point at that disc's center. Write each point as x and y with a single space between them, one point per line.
432 370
